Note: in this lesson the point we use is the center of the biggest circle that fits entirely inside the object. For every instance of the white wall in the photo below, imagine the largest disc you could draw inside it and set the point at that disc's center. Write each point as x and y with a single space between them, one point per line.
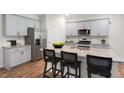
56 20
3 39
116 30
1 31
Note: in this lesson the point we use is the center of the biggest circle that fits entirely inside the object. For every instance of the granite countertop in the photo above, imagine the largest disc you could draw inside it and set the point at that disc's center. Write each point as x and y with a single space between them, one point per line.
15 46
91 51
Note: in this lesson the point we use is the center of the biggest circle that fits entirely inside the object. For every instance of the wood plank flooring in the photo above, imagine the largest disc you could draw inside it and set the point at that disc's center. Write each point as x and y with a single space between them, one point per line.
27 70
120 70
35 70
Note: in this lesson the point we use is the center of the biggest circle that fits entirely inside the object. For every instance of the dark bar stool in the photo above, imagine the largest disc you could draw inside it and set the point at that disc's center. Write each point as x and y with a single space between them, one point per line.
99 65
69 60
49 56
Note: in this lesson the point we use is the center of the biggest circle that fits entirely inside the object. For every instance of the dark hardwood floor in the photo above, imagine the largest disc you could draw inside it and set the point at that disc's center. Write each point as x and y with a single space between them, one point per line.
35 70
27 70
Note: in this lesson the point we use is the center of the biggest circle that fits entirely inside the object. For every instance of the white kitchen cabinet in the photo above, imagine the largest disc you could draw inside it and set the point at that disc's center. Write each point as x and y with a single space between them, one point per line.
16 56
37 24
103 27
28 53
30 23
21 26
97 27
25 54
81 25
84 25
100 28
68 29
10 25
71 29
33 23
15 25
94 28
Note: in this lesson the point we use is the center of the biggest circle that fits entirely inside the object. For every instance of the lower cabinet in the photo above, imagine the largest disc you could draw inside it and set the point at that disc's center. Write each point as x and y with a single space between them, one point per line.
16 56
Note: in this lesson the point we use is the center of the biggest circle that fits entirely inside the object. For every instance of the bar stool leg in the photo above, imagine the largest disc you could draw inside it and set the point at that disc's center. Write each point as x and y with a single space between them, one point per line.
62 70
75 72
68 71
54 71
80 71
52 67
89 75
45 69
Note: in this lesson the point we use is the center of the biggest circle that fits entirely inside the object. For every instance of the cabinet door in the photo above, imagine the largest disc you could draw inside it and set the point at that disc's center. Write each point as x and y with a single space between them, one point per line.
22 54
68 29
14 57
31 23
81 25
10 25
21 26
94 28
74 30
28 53
87 25
71 29
37 24
103 27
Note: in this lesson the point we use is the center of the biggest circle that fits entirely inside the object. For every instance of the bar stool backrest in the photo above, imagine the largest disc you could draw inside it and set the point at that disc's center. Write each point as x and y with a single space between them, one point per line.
48 53
99 63
69 57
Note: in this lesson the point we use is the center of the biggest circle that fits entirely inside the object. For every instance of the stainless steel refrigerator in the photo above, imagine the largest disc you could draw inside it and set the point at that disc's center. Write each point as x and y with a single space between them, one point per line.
34 41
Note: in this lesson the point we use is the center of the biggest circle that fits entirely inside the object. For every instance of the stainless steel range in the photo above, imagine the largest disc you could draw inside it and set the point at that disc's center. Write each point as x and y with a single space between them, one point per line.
84 43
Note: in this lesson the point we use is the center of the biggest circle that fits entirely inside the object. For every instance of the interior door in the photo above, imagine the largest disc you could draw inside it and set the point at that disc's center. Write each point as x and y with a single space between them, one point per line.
53 34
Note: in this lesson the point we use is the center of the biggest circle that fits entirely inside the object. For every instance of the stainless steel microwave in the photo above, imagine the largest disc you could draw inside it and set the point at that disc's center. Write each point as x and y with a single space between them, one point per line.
84 32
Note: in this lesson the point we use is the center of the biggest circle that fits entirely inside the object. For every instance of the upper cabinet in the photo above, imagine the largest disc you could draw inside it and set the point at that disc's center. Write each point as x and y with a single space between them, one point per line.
104 27
30 23
17 25
84 25
33 23
10 26
97 27
72 29
37 24
21 26
100 28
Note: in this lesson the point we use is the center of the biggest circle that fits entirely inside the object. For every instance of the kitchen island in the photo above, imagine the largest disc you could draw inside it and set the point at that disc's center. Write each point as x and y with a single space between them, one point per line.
92 51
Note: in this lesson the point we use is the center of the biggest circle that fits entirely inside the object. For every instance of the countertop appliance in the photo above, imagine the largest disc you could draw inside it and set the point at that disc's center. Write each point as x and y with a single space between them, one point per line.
84 43
84 32
12 42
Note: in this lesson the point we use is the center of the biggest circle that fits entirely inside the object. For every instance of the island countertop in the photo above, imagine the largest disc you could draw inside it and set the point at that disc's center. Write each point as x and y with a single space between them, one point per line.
91 51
